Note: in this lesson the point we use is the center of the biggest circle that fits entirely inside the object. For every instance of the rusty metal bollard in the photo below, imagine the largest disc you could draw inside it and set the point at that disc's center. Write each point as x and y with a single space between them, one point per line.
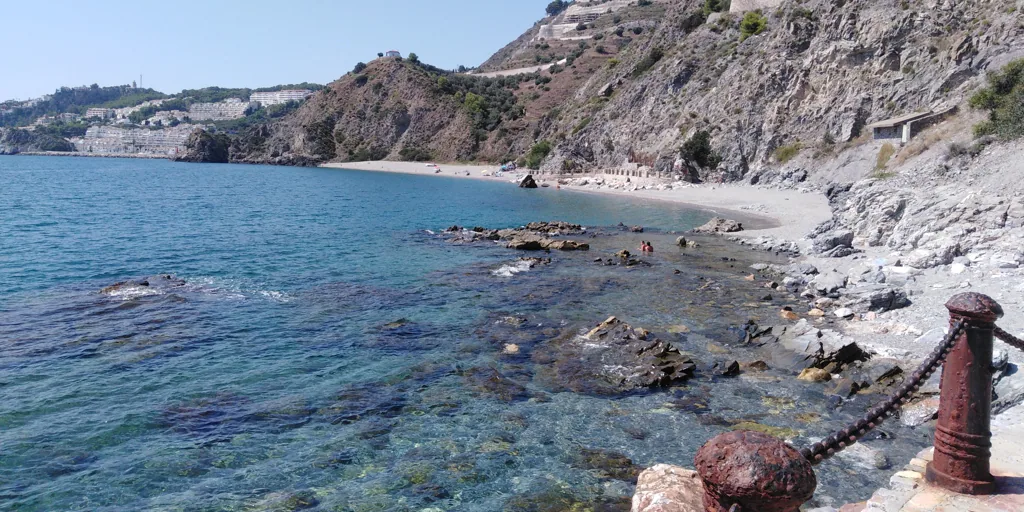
756 471
963 440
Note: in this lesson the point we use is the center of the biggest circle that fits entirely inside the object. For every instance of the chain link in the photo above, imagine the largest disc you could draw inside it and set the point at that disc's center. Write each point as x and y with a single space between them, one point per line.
1009 339
838 441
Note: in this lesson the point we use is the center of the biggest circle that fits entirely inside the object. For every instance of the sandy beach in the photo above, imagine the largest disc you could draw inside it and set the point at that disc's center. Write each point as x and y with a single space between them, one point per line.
788 214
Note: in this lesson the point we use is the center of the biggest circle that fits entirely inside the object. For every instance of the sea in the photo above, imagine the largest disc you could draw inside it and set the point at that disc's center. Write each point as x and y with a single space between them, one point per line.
329 348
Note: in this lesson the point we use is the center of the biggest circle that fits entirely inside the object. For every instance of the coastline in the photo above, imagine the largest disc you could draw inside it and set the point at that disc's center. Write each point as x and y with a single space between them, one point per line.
788 214
76 154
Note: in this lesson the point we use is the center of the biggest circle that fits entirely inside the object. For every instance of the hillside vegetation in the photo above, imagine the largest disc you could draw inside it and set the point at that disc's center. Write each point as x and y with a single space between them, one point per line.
751 91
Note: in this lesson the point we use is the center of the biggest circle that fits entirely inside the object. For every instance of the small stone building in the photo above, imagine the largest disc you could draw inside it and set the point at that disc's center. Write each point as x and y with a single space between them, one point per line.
905 127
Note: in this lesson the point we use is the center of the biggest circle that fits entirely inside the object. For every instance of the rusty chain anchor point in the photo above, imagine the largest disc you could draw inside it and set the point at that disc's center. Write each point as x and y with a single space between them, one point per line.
755 471
963 440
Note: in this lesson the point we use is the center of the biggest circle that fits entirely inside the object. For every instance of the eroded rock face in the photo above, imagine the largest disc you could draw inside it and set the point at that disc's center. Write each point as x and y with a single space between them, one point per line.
665 488
718 225
613 358
205 147
528 182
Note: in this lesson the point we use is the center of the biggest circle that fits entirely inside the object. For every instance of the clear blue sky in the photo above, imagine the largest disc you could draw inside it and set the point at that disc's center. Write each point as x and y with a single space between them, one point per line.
188 44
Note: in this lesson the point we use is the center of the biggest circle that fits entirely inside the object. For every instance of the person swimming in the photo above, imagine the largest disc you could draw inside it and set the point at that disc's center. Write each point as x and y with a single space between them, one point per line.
646 246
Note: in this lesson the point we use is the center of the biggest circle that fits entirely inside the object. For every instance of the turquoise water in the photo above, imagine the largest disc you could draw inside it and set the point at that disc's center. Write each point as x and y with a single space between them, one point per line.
273 381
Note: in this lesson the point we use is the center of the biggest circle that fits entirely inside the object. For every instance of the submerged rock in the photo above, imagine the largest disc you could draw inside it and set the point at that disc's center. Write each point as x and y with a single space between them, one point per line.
149 285
613 358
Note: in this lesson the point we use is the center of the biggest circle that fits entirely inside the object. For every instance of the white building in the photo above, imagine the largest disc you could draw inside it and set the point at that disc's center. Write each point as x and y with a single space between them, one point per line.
278 97
102 113
231 108
392 53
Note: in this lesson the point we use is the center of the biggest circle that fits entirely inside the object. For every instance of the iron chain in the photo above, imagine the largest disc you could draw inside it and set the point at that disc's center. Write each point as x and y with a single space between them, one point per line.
1009 339
838 441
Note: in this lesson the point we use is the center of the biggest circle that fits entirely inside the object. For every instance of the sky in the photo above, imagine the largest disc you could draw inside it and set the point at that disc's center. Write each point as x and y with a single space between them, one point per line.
187 44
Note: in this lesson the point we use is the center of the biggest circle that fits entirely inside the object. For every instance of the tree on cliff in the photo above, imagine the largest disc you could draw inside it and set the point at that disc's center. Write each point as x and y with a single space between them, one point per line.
1004 101
557 7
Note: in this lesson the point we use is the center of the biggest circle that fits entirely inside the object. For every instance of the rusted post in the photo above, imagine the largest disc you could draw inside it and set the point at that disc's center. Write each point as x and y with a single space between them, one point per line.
757 472
962 436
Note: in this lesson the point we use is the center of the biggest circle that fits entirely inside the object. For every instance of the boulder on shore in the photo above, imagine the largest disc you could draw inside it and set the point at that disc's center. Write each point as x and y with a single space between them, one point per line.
719 225
528 182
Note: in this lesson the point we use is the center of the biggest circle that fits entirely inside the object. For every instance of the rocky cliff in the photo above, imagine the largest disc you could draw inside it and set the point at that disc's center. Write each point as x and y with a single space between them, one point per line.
15 140
205 147
392 109
804 79
816 74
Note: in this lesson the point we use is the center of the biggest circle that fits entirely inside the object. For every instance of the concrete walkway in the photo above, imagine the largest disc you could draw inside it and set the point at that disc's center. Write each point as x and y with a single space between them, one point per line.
909 492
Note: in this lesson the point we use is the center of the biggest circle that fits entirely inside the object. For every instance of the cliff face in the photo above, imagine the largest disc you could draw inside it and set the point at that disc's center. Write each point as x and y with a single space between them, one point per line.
819 72
805 76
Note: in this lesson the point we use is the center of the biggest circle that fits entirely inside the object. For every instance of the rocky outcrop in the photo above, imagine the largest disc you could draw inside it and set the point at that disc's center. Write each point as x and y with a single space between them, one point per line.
612 359
821 71
17 140
528 182
205 147
535 236
719 225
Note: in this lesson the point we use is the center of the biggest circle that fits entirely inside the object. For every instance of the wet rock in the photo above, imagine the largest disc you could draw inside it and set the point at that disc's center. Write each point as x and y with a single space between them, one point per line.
287 501
153 284
846 388
612 358
636 229
730 369
510 349
816 313
528 182
533 242
685 243
356 402
814 375
664 488
757 366
491 382
607 464
719 225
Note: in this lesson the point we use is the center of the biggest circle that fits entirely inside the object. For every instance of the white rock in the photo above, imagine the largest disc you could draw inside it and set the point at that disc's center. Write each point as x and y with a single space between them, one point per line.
844 313
957 268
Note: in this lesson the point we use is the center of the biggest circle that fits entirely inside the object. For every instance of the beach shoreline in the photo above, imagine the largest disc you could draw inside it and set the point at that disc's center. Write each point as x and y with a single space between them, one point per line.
787 214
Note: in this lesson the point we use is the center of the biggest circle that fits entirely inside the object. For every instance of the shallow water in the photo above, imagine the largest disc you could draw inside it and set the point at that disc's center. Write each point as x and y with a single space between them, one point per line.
330 353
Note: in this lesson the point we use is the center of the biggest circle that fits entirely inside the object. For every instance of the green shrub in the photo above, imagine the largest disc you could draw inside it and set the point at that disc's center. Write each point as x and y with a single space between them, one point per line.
581 125
415 155
649 61
711 6
699 151
361 80
537 153
1004 101
786 153
360 66
753 24
612 63
884 155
